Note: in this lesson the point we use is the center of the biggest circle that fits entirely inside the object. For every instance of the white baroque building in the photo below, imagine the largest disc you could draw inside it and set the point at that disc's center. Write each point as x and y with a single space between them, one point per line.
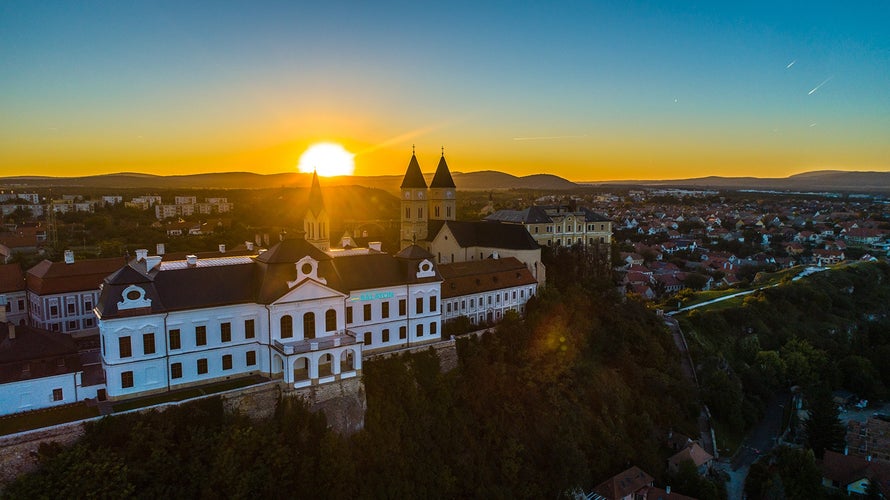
292 312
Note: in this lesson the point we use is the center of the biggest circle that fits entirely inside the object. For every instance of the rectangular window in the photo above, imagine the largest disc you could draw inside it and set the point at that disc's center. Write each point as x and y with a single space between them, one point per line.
434 303
72 325
249 329
88 323
472 303
448 307
88 304
463 304
385 335
367 312
227 362
368 338
201 335
175 339
384 310
403 332
225 332
514 294
489 300
53 311
71 308
420 330
148 343
176 370
124 347
21 304
418 305
349 314
251 358
202 366
434 327
403 307
57 394
127 380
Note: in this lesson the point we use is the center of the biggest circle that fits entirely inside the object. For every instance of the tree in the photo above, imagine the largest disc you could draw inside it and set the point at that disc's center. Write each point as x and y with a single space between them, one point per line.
823 428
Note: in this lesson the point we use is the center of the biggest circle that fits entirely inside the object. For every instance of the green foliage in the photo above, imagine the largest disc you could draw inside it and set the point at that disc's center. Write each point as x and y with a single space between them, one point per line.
823 429
829 330
785 473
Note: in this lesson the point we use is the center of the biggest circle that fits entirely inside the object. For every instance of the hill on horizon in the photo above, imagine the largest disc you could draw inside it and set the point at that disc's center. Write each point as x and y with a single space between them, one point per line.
483 180
817 180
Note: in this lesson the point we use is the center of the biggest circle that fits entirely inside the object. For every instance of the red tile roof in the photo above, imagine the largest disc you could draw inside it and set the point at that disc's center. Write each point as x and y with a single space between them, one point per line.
12 279
47 277
463 278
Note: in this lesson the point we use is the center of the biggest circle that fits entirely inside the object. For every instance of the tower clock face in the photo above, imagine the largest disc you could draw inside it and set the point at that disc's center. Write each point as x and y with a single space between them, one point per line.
420 196
407 195
448 194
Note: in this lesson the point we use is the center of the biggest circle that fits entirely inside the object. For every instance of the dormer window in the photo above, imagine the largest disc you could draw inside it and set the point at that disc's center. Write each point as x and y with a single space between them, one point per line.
133 297
425 269
307 267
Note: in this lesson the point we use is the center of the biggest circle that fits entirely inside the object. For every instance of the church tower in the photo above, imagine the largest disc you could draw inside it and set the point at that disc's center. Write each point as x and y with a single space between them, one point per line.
414 205
443 206
316 222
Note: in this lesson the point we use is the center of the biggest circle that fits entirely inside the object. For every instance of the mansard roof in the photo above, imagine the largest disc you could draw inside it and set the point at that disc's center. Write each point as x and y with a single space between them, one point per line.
262 280
491 234
291 250
442 179
413 176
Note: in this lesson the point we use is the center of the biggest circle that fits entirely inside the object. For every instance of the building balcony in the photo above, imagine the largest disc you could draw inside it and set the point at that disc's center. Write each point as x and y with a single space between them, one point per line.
342 338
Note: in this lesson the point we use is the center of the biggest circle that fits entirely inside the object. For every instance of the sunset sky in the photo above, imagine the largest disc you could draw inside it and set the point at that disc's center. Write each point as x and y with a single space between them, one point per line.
586 90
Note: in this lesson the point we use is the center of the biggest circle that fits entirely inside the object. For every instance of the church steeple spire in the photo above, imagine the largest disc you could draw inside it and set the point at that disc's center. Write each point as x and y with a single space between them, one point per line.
316 223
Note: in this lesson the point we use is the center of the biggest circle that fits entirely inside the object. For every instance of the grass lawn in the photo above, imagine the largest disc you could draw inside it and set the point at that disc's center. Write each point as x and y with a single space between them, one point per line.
184 394
45 418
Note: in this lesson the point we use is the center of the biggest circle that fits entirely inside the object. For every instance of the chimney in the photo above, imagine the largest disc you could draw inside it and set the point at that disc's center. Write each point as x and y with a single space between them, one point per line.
249 245
11 327
376 246
222 248
161 249
191 260
152 262
69 256
141 254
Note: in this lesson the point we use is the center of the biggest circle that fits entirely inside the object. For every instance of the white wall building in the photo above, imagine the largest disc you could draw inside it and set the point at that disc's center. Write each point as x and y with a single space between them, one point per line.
485 290
293 312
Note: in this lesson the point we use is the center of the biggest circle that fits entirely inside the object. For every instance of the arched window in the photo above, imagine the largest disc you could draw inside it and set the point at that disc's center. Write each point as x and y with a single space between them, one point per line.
309 325
330 320
287 327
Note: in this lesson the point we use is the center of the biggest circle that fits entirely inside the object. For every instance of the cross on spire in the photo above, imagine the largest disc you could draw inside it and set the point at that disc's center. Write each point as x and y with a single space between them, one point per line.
412 149
443 150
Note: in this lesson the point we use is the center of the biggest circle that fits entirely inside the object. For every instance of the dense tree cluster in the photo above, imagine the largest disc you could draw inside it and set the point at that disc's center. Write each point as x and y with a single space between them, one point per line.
583 388
829 331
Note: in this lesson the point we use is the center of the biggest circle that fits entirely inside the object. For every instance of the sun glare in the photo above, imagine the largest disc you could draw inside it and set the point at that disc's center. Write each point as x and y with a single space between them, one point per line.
328 159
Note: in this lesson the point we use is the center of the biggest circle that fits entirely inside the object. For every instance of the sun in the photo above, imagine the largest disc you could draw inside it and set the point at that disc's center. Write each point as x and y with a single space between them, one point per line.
328 159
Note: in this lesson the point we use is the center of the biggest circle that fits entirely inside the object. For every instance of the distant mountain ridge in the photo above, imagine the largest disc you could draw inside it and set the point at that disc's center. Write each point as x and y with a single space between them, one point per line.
819 180
483 180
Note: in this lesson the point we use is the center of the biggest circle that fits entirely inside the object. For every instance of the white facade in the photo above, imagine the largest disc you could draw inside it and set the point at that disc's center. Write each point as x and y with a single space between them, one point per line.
15 305
63 312
489 306
39 393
